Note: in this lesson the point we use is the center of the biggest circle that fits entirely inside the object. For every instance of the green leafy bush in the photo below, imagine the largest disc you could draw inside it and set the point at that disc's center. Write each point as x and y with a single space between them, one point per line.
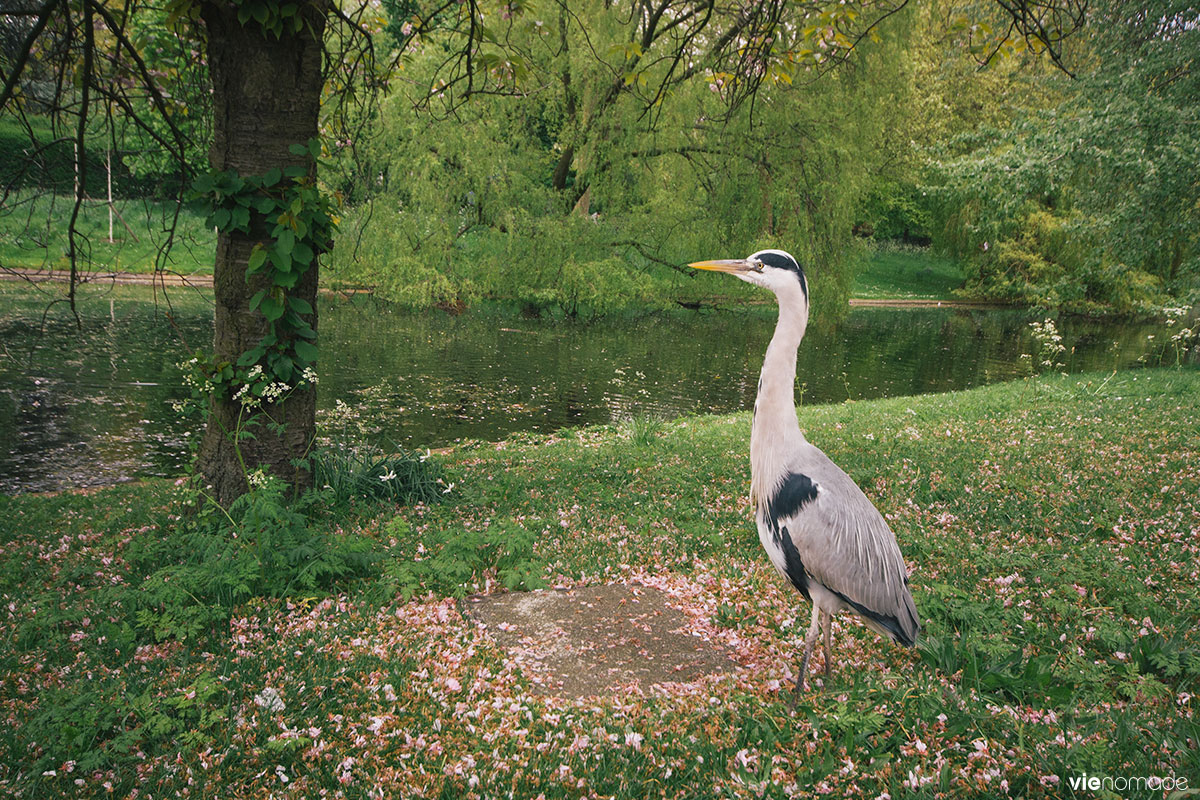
1092 203
455 562
262 546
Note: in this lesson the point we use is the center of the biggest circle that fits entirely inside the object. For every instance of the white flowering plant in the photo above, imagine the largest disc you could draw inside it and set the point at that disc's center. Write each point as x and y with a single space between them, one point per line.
1050 346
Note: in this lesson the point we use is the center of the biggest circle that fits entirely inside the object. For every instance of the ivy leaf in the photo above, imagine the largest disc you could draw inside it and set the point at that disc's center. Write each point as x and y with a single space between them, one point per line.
257 258
241 219
265 205
271 308
272 177
306 351
281 262
258 298
285 242
251 356
283 368
300 305
302 253
203 184
220 218
298 149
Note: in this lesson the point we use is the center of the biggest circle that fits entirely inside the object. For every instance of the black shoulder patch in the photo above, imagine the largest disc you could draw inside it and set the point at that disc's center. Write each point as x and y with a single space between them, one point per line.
793 567
793 494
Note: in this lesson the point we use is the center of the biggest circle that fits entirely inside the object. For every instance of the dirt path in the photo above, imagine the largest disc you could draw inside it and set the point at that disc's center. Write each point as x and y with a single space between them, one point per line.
129 278
597 640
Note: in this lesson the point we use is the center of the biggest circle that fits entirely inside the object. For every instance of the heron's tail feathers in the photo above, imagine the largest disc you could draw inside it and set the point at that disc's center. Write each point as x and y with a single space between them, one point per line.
902 627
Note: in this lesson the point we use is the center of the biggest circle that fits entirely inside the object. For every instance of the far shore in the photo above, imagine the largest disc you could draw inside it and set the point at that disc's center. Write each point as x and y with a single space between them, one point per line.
205 281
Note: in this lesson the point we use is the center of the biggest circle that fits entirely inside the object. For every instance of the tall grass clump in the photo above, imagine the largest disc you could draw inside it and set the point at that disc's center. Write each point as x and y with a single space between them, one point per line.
369 472
352 463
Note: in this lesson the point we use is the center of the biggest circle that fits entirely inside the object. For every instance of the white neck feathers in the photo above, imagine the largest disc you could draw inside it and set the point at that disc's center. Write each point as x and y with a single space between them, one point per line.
775 433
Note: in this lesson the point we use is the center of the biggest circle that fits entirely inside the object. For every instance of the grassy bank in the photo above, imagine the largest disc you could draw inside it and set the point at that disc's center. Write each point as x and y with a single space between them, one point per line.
1051 526
33 235
907 273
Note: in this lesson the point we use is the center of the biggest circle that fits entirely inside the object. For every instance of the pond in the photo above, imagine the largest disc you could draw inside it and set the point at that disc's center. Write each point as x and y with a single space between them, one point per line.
92 405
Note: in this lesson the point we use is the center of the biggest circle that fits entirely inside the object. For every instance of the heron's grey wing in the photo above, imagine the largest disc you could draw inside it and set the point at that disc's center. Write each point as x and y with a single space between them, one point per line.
840 540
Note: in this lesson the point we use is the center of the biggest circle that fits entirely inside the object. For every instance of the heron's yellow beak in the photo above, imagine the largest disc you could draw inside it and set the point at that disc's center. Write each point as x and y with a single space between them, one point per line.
734 265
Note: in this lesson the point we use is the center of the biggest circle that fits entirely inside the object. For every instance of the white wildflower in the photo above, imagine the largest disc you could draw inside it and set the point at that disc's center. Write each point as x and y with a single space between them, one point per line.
269 700
246 397
274 391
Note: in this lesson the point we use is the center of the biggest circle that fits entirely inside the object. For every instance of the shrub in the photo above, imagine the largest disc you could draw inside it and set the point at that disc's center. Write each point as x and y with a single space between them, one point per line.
455 562
262 546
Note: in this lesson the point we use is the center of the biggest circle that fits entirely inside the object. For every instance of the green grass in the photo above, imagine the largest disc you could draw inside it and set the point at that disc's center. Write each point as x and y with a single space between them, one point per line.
1050 525
33 235
907 274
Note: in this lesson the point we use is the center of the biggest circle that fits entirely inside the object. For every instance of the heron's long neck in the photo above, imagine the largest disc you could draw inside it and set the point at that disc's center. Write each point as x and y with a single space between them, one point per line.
775 432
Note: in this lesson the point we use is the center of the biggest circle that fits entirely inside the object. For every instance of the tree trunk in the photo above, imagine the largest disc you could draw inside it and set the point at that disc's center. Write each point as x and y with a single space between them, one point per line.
266 97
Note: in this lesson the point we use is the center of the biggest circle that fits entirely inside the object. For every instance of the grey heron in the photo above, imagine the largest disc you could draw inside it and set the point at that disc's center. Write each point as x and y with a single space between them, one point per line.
819 529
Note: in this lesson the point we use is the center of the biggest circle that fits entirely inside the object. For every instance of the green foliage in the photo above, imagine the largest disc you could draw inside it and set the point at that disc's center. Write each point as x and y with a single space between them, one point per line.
1091 204
455 562
42 156
169 140
894 211
576 200
369 472
300 224
261 546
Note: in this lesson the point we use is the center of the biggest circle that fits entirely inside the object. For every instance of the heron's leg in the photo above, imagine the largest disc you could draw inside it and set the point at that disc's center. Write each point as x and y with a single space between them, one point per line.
809 640
826 618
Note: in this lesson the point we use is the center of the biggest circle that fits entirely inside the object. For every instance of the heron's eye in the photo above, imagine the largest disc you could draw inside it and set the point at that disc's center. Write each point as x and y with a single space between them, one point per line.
756 265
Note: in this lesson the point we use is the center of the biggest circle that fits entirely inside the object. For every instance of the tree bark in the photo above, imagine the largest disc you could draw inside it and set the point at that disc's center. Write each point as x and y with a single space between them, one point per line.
266 97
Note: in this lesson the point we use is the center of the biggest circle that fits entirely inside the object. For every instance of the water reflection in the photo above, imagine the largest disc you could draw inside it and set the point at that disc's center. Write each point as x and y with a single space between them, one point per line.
93 406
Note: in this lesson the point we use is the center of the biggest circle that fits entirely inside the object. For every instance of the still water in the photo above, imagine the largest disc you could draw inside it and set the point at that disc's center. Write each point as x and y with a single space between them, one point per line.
92 405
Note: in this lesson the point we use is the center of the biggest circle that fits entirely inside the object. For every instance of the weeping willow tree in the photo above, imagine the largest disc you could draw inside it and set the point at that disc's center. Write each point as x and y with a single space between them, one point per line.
581 177
606 144
1089 199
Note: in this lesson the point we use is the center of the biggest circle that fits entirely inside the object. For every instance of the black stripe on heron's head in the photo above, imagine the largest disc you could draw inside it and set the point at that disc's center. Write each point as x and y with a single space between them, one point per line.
781 260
